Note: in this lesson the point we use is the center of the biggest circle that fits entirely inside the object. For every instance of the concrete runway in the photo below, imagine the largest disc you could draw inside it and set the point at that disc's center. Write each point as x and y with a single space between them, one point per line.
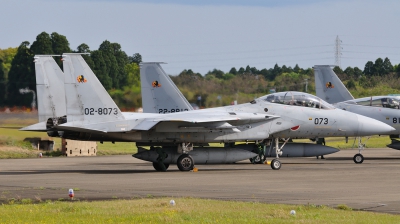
371 186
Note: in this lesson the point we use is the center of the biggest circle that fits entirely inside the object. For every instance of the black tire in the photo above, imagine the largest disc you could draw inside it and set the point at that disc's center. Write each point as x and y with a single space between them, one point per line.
185 162
358 158
276 164
159 168
256 160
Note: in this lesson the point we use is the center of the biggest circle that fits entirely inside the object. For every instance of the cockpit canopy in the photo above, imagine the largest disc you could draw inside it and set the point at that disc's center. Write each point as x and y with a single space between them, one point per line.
297 99
377 101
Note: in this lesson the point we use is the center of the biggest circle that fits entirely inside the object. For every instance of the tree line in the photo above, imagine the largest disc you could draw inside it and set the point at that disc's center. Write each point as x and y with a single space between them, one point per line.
114 68
119 74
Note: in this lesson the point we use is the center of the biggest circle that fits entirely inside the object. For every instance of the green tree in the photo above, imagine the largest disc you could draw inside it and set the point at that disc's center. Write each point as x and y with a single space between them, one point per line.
109 65
136 58
7 55
338 70
296 68
3 82
247 70
228 76
357 72
100 69
275 72
59 44
387 66
285 69
42 44
21 75
241 70
122 59
398 70
254 70
187 76
351 84
233 71
133 74
217 73
83 48
308 72
349 71
369 68
378 67
265 73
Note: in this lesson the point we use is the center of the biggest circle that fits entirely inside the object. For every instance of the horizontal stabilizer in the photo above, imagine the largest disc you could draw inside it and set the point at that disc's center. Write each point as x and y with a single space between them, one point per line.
35 127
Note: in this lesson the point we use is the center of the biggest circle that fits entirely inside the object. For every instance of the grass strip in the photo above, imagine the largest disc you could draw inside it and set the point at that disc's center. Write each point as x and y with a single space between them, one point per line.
185 210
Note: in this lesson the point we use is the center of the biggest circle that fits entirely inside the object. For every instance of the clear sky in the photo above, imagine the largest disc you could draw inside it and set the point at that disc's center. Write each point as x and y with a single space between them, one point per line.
205 34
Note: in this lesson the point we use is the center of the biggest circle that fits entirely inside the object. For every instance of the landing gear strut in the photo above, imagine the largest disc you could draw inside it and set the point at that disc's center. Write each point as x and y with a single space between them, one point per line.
359 158
275 163
160 165
260 151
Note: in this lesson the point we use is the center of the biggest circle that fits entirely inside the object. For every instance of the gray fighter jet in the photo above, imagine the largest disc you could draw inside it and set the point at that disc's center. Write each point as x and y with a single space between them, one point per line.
382 108
169 99
91 114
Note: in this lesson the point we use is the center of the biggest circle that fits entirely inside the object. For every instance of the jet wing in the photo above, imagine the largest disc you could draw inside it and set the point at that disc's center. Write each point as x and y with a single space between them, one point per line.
217 116
217 120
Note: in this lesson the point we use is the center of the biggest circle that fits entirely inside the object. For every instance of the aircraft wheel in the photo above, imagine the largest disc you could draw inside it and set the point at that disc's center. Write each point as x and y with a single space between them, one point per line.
185 162
276 164
358 158
256 160
159 168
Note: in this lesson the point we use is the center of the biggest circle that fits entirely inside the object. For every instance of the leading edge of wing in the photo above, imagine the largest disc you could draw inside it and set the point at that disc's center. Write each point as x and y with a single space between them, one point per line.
217 116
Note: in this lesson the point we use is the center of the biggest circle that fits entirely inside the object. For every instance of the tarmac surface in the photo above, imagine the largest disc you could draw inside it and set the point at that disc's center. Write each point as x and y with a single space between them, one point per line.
371 186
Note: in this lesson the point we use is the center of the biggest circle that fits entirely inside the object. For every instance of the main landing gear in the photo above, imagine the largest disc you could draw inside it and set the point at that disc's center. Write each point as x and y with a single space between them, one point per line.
260 151
185 162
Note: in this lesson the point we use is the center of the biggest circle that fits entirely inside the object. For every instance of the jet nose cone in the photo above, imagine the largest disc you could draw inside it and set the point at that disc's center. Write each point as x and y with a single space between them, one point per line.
368 126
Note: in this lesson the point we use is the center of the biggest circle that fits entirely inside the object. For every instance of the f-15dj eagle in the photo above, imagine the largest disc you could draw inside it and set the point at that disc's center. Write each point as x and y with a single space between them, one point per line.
91 114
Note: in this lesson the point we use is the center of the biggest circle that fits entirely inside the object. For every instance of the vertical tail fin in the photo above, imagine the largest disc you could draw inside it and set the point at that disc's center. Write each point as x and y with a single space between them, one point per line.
87 100
328 85
159 93
50 88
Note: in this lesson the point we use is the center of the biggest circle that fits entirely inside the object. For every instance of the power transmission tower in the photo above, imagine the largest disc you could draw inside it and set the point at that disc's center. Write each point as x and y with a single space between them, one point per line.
338 51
